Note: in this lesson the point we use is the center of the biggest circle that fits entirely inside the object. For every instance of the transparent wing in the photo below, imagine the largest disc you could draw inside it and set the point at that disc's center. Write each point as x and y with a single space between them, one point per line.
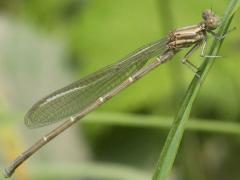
75 97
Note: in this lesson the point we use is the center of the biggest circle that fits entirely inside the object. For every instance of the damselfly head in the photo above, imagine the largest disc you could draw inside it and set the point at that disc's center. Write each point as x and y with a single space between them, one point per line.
210 19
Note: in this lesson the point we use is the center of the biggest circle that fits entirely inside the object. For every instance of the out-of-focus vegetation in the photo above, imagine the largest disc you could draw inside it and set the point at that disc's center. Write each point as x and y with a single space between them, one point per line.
46 45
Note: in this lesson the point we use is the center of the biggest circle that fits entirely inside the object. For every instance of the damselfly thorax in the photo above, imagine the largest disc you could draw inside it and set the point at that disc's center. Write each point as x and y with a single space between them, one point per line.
193 36
186 37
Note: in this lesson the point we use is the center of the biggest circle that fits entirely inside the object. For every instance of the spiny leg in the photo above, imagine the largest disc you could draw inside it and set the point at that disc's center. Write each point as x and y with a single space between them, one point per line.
188 63
204 48
220 37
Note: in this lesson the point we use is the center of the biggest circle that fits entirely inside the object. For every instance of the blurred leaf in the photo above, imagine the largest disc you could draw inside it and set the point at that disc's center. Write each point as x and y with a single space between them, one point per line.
86 170
151 121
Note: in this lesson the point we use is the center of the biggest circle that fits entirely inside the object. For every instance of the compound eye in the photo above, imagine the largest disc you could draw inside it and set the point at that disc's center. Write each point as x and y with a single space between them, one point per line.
206 14
212 23
210 19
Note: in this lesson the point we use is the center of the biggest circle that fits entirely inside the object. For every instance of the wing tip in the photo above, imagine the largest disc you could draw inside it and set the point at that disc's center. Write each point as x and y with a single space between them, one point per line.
28 120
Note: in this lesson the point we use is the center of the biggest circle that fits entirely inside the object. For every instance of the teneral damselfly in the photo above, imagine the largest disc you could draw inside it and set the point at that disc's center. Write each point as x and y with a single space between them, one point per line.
79 98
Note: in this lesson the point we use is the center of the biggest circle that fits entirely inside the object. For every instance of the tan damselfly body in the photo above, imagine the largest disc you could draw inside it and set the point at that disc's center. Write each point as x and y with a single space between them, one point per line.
78 99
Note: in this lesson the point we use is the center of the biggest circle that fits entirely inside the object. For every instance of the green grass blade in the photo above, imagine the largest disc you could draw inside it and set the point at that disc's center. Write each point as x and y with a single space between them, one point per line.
134 120
174 138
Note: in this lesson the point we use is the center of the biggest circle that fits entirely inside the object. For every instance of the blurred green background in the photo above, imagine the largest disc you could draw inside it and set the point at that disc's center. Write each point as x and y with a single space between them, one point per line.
45 45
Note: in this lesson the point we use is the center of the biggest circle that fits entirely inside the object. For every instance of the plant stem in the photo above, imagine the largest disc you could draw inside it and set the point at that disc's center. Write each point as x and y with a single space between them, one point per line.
174 138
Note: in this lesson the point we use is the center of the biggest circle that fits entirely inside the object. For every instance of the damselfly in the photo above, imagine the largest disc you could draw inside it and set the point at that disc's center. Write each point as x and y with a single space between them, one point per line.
79 98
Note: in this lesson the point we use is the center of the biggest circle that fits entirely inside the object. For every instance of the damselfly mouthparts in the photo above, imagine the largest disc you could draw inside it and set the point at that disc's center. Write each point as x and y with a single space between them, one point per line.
78 99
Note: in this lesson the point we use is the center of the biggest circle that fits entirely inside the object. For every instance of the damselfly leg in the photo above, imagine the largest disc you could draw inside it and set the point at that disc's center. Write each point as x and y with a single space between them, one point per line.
220 37
189 64
205 41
